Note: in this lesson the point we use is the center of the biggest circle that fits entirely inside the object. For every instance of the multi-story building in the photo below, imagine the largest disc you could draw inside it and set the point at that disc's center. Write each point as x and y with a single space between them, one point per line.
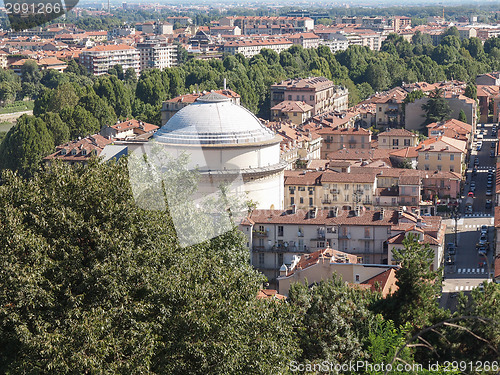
329 189
323 264
397 138
43 64
452 129
276 237
155 53
340 138
389 107
250 48
306 40
81 150
265 25
294 111
99 59
335 41
442 154
172 106
129 129
320 93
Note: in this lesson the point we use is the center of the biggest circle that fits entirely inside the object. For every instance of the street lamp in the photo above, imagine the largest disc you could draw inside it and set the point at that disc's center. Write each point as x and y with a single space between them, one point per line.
455 214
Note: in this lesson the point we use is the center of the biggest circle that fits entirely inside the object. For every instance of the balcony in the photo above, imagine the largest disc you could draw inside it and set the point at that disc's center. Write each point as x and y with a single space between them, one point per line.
326 201
334 191
344 236
260 233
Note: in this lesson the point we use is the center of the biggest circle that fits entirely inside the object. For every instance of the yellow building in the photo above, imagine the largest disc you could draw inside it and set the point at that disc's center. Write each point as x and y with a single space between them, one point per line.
338 139
328 189
295 111
396 139
442 154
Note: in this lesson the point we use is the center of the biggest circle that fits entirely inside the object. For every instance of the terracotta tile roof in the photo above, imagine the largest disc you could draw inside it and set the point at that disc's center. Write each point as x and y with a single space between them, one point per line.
409 152
109 47
312 178
344 131
269 294
329 255
313 82
398 133
139 126
363 154
439 144
191 98
395 95
381 280
497 217
81 149
292 106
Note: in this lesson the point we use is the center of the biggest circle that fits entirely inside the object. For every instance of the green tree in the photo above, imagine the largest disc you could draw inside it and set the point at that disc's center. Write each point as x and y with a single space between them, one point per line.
461 116
96 284
25 145
58 129
471 91
415 300
437 108
451 31
335 320
131 76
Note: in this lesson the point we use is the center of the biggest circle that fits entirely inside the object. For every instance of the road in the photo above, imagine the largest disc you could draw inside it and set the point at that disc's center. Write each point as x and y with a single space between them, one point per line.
469 269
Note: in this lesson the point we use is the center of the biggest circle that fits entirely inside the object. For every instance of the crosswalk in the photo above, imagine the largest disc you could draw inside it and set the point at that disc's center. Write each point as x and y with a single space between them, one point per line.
478 214
471 270
471 226
464 288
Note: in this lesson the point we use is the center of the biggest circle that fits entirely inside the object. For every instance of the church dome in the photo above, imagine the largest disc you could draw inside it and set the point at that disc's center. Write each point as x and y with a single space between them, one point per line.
212 120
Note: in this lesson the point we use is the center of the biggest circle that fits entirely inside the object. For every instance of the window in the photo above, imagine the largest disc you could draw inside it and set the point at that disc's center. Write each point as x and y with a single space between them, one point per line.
346 187
452 157
426 156
380 109
393 201
310 201
320 244
413 200
302 188
384 140
403 190
439 167
357 278
426 167
407 142
330 230
367 232
452 169
280 258
311 97
291 190
261 258
311 190
346 198
261 228
367 246
298 97
414 190
289 97
292 201
301 200
439 156
295 114
280 230
395 142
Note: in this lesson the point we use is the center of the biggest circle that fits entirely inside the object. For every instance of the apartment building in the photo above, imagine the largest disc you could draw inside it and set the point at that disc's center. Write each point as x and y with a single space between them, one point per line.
43 64
250 48
99 59
389 107
294 111
319 92
276 238
156 53
298 145
263 25
306 40
329 189
452 129
79 151
396 139
324 264
442 154
340 138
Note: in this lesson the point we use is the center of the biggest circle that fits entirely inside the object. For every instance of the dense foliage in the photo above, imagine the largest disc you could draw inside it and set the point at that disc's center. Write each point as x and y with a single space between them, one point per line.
92 283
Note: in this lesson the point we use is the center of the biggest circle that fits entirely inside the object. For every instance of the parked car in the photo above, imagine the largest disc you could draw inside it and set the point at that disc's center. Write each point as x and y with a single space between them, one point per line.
484 229
451 248
488 192
483 239
488 204
471 194
492 154
479 146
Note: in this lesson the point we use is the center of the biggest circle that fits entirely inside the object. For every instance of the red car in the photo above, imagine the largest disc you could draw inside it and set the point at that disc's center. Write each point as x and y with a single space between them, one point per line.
471 194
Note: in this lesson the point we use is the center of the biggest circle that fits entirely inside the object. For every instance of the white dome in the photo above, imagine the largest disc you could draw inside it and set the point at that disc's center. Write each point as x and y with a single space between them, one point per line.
213 119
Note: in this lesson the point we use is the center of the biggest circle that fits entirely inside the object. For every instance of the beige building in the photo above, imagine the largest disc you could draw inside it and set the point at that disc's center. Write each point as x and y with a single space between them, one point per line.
250 48
328 189
99 59
389 104
156 53
397 139
276 237
296 112
323 264
338 139
320 93
442 154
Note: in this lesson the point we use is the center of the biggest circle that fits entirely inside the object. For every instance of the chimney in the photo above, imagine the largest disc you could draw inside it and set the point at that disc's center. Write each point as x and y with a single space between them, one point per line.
224 84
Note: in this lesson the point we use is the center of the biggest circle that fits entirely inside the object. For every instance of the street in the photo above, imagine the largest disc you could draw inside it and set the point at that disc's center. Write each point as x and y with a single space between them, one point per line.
468 268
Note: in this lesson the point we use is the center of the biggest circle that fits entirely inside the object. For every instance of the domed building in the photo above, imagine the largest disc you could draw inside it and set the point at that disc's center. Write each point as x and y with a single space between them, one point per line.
226 142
